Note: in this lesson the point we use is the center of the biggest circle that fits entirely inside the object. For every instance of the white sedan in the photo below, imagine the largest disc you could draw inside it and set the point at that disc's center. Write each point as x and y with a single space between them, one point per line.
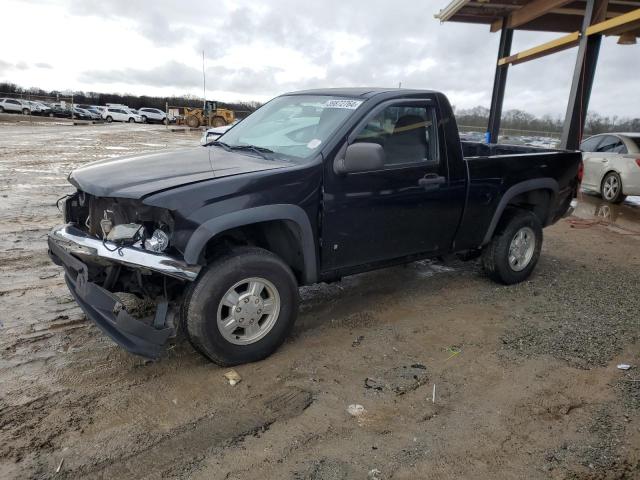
120 114
214 133
151 115
612 165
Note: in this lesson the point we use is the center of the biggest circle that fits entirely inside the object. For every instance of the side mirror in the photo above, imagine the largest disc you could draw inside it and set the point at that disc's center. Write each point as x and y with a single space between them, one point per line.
360 157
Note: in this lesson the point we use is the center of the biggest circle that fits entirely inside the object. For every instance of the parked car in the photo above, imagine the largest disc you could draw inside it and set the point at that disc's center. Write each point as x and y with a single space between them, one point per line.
43 108
153 115
84 114
15 105
91 108
120 114
612 165
60 111
220 238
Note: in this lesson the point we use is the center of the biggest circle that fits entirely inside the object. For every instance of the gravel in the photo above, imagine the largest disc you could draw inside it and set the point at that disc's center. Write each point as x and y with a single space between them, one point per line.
580 315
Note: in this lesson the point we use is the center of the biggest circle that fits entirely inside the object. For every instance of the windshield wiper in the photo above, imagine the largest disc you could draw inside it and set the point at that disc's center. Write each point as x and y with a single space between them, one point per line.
259 150
218 144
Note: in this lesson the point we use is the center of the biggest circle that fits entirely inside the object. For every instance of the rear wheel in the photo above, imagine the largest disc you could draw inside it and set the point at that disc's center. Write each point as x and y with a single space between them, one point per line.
144 119
611 188
109 119
1 109
242 307
192 121
131 120
515 248
218 122
26 111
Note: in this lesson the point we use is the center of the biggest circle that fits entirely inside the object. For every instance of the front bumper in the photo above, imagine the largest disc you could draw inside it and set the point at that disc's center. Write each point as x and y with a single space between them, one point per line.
145 337
78 243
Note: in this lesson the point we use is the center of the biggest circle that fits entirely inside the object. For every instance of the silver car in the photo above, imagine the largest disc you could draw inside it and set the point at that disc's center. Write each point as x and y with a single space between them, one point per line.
612 165
15 105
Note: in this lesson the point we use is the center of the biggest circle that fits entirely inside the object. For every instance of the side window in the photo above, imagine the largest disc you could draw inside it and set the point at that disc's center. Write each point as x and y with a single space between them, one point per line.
14 102
406 132
621 148
610 144
590 144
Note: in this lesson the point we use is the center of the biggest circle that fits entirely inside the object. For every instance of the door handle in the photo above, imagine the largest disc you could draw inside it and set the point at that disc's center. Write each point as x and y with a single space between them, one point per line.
431 180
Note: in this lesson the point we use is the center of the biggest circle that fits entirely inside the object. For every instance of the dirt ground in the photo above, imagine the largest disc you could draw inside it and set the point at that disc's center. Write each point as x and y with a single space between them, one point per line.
525 377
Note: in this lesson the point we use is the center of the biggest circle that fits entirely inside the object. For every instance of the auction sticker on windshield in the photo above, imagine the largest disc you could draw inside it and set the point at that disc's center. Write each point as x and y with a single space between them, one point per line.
348 104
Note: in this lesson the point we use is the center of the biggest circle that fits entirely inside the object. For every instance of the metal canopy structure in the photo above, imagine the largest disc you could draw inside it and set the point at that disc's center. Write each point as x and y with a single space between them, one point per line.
583 24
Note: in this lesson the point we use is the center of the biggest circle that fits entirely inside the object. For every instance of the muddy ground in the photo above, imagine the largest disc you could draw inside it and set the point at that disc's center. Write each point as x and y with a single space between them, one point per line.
526 384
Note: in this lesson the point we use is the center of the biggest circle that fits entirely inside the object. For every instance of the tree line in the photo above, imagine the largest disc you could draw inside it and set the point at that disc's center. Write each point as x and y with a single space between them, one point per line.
521 120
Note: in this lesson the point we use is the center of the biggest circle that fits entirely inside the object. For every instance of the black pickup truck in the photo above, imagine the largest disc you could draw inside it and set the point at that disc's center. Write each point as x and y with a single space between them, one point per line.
315 185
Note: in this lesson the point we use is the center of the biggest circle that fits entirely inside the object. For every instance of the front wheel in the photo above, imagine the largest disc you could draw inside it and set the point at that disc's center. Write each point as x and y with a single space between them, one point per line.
131 120
144 119
26 111
109 119
242 307
611 188
1 109
514 249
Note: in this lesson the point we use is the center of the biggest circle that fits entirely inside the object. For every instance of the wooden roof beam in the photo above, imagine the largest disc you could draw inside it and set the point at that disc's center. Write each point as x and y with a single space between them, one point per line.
557 45
615 26
528 12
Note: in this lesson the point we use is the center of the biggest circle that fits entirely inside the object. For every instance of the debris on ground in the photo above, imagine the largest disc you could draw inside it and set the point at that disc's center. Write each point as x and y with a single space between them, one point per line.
356 410
358 341
233 377
624 366
374 474
399 380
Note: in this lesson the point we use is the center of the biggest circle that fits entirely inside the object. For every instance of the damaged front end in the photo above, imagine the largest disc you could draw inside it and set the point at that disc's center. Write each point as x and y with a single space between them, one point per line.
122 270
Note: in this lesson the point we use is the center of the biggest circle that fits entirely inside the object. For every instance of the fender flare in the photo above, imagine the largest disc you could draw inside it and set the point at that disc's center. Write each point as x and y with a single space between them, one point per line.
293 213
549 184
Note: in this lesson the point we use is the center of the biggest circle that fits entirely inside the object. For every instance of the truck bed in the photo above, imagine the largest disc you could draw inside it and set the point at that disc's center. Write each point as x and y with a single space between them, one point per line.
479 149
494 169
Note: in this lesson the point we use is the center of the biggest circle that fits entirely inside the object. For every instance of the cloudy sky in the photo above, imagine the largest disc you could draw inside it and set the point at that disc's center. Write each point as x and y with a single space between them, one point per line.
257 49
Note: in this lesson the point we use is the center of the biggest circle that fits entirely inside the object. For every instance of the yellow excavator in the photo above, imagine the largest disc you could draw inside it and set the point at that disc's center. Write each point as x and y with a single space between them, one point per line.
209 116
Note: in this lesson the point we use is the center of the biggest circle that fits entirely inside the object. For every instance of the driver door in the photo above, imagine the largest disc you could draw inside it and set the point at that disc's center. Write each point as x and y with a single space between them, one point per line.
408 207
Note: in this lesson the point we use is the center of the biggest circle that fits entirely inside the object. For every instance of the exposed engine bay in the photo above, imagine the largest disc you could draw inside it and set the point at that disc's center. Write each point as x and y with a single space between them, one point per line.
119 223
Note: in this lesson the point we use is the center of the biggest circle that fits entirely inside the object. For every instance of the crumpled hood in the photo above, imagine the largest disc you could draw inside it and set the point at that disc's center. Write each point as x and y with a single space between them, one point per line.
138 176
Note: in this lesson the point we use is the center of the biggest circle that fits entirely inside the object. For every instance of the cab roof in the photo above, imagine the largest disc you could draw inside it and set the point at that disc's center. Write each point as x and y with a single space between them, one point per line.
363 92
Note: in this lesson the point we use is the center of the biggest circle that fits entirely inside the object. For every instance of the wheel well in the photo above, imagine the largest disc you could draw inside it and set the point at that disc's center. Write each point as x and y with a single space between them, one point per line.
604 175
536 201
281 237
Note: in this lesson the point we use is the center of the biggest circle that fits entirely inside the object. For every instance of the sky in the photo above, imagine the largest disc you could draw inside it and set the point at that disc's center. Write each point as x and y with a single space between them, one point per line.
255 50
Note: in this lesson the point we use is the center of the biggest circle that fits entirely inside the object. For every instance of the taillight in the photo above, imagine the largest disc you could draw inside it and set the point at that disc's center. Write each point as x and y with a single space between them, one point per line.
638 161
581 170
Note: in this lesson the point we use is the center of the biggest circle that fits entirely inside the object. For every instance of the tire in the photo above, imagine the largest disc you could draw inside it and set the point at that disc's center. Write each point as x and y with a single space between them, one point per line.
26 111
51 114
515 232
131 120
611 188
144 119
218 122
192 121
1 109
165 121
109 119
204 309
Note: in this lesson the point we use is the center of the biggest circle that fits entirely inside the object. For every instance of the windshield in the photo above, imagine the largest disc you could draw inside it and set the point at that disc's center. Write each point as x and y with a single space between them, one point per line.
292 126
